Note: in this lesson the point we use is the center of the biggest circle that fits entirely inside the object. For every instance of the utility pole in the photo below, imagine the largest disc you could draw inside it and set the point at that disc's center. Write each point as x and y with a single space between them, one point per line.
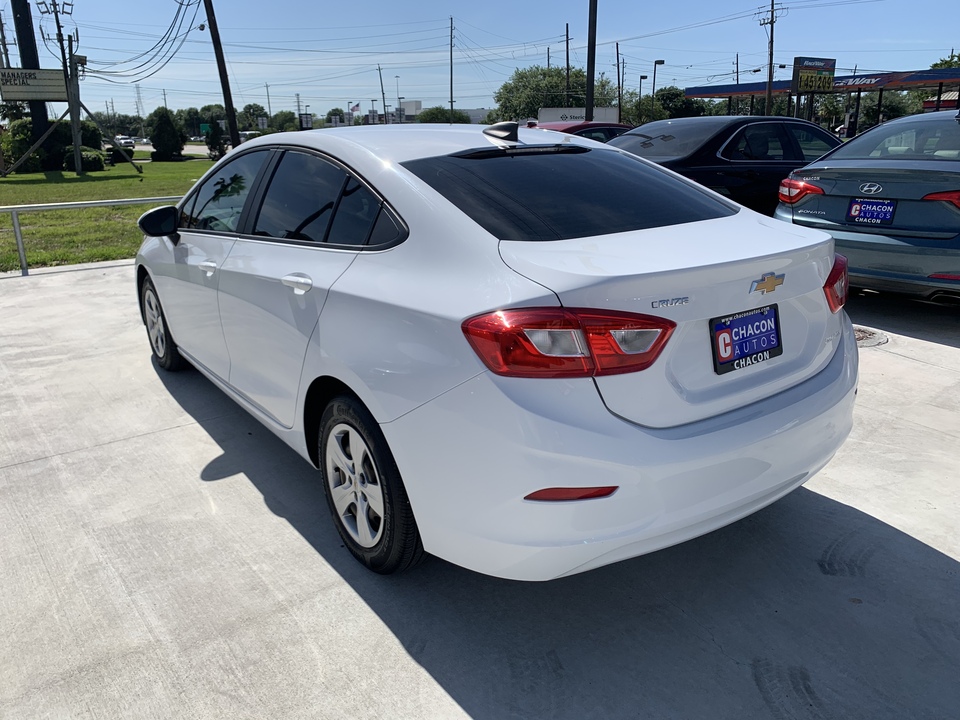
69 75
298 106
29 60
269 110
4 53
222 67
771 21
591 57
619 89
165 99
383 96
567 98
451 69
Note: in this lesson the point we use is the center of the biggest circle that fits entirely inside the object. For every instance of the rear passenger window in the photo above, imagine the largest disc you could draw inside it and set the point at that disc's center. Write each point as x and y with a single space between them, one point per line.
301 198
755 142
355 216
811 145
219 202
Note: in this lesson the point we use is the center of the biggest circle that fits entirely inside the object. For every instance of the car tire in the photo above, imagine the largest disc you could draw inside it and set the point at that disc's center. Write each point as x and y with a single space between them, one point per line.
158 331
364 490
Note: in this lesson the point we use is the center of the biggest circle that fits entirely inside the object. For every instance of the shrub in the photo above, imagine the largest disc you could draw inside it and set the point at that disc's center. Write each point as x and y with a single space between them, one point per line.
91 160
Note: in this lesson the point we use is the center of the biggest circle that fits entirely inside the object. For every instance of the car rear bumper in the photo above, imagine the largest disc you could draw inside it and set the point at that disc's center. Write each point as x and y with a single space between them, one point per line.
896 264
470 456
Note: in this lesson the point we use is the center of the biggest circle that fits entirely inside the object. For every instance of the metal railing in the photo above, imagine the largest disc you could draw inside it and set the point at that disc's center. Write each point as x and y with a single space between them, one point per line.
15 211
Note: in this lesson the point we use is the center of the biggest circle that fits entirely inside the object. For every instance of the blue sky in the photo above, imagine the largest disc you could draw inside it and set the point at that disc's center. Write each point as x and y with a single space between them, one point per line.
328 52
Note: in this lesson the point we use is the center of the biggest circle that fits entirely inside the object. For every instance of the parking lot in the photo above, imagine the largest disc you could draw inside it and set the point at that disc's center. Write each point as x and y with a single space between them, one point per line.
163 555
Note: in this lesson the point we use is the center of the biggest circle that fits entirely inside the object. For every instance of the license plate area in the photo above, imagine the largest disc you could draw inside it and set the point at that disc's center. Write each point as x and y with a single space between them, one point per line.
867 211
745 339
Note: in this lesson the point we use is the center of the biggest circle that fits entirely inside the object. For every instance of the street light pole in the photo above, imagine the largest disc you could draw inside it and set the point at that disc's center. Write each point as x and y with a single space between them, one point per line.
399 105
653 93
640 99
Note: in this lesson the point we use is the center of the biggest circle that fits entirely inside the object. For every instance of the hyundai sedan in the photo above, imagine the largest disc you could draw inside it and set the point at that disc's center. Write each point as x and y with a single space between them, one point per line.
891 200
525 352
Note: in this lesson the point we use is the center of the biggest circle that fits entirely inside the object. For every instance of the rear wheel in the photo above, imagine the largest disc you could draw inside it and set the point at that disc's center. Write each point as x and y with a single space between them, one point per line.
364 489
164 348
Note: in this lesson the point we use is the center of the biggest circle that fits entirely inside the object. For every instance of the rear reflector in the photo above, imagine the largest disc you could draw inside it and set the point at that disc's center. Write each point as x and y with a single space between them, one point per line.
950 196
555 342
793 191
560 494
944 276
837 286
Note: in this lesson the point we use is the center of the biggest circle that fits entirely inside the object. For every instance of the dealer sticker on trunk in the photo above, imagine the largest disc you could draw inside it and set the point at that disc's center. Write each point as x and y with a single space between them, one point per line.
746 338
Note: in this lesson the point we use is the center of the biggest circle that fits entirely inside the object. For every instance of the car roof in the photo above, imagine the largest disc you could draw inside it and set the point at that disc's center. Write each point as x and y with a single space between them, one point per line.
722 121
937 116
399 143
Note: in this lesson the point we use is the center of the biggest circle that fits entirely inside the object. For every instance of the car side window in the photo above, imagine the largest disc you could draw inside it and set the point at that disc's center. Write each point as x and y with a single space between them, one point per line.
301 198
759 141
811 145
355 215
218 203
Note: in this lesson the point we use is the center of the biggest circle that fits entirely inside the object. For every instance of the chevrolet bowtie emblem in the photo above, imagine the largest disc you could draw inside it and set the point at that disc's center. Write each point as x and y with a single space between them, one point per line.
767 284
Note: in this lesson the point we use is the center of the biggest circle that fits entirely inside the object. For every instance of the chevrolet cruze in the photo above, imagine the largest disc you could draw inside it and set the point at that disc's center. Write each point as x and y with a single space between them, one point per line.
524 352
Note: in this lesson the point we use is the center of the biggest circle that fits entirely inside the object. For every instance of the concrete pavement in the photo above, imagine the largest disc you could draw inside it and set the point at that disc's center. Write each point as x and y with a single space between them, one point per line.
163 555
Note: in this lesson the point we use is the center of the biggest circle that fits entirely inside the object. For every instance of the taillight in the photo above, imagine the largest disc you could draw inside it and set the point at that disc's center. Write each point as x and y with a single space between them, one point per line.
950 196
837 286
793 191
566 342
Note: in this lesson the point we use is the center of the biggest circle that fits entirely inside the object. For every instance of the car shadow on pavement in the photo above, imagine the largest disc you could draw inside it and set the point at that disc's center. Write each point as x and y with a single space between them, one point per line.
807 609
902 315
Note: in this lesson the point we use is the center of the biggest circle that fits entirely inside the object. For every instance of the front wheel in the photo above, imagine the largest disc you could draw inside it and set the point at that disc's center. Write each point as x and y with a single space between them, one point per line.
364 489
163 346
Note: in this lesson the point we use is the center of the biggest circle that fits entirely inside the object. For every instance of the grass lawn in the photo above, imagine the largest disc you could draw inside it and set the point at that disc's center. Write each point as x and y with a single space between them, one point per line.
66 237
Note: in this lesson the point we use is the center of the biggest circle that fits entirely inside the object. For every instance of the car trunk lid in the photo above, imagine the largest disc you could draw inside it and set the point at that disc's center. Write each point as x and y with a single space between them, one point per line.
695 273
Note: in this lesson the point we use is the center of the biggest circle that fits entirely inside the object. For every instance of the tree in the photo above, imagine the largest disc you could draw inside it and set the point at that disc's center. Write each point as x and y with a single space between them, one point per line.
216 143
14 110
441 114
335 113
166 136
214 112
530 89
285 121
189 120
248 118
676 104
951 61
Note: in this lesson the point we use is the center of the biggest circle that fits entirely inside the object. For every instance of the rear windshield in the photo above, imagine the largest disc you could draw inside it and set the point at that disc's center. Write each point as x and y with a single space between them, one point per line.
907 140
668 138
564 191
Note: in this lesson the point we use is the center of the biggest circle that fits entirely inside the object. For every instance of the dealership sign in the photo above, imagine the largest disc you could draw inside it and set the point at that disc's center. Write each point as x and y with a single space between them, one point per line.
17 84
813 75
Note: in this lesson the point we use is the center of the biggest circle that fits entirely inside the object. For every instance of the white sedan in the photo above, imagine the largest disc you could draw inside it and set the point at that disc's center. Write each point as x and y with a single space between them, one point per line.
524 352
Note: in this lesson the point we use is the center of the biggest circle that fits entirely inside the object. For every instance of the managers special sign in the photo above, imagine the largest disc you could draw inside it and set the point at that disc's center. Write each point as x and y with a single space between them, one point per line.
813 75
17 84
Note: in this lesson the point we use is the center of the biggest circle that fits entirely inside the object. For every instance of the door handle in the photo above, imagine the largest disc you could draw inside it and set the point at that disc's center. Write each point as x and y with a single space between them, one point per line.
208 266
298 281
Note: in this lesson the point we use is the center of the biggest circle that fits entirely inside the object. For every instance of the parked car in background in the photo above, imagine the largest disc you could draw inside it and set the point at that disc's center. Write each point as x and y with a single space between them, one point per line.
124 141
741 157
891 199
525 352
595 130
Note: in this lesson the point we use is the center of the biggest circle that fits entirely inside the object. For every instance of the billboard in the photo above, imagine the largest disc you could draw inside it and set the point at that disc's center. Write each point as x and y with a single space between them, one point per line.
17 84
604 114
813 75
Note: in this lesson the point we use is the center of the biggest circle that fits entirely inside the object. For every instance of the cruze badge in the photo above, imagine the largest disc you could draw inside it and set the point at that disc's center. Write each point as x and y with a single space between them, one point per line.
671 302
870 188
767 284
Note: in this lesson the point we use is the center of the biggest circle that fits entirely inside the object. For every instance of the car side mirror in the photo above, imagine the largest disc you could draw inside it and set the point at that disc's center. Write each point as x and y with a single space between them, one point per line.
161 222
